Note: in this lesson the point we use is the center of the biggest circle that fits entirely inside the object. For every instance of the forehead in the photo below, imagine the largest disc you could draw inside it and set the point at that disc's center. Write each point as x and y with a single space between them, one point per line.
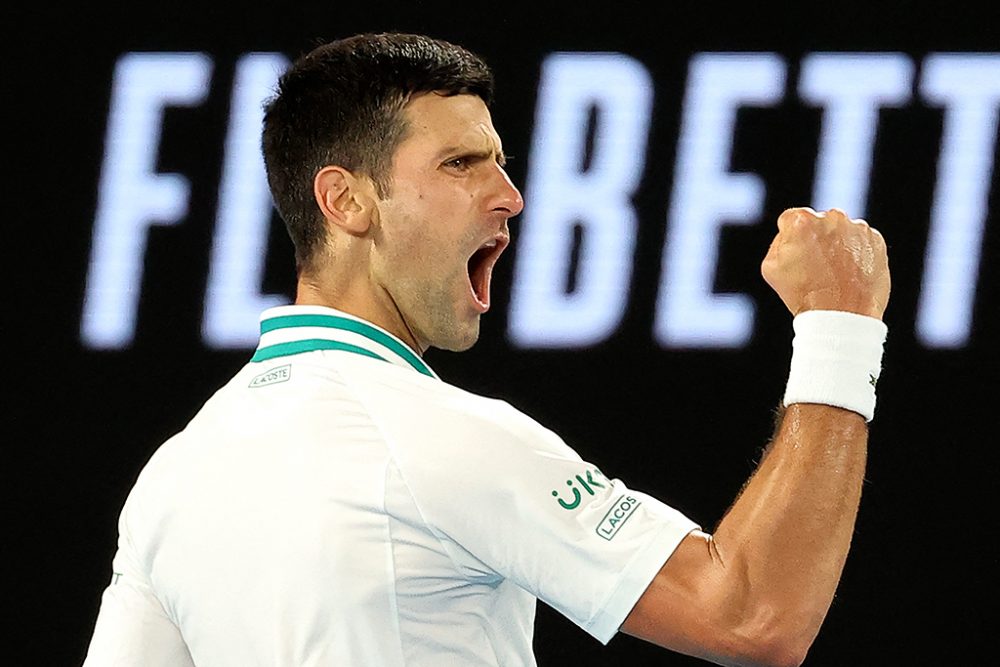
435 121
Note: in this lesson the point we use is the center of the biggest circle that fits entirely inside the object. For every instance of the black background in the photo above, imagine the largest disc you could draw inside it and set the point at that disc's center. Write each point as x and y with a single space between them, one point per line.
686 426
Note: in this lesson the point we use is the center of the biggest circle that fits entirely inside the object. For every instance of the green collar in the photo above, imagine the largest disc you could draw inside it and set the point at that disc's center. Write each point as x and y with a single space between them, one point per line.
288 330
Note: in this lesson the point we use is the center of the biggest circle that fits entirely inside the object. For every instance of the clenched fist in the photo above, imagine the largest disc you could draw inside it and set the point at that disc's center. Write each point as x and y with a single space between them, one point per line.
827 261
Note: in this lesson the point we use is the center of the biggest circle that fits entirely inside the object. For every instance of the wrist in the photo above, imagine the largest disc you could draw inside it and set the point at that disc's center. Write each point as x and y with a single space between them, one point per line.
836 360
871 308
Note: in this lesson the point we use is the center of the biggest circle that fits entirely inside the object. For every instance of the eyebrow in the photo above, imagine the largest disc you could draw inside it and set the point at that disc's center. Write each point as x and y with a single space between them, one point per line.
501 158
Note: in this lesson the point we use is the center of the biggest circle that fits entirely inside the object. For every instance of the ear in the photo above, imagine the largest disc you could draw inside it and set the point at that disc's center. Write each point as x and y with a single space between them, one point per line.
343 199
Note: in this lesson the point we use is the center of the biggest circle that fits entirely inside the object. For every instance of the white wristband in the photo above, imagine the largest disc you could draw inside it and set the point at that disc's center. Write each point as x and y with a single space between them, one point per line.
836 360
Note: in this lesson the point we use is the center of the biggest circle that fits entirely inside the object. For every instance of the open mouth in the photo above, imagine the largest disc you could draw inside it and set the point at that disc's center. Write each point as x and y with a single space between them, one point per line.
481 270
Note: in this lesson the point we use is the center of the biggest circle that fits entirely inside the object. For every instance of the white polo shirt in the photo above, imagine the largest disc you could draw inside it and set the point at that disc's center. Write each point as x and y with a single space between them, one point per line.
336 503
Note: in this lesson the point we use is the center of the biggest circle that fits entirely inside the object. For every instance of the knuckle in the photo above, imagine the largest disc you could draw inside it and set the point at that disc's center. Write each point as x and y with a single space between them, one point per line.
796 214
786 217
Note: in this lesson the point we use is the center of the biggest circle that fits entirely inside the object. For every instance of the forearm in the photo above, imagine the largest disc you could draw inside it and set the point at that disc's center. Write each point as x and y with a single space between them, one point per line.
784 541
757 591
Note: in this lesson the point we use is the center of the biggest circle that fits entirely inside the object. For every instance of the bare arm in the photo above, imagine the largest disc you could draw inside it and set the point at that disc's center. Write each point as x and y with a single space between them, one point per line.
757 591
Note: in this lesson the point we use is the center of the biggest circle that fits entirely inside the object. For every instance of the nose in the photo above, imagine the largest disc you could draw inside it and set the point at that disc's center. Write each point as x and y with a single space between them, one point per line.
508 197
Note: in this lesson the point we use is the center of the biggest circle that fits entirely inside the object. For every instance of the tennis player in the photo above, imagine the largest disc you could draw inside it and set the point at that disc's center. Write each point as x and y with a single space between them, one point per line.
337 503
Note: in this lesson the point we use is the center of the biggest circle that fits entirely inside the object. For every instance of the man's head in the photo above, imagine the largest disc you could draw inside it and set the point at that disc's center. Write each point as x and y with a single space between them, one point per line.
384 162
342 104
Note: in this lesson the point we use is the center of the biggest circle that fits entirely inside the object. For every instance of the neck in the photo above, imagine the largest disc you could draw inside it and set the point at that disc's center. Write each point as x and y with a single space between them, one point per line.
348 298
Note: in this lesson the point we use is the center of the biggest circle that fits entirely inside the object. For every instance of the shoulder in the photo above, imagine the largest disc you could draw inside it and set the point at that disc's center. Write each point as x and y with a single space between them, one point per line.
412 406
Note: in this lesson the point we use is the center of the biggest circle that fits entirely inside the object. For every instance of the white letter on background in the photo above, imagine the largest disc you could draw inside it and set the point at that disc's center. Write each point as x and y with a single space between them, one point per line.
851 87
131 195
562 194
968 85
233 301
707 196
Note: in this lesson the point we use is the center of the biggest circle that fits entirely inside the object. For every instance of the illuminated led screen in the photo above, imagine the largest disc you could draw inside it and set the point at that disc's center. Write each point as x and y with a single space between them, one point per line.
655 147
588 150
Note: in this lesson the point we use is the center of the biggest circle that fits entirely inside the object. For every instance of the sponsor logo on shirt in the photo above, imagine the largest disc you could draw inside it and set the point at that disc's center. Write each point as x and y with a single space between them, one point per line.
616 517
273 376
587 483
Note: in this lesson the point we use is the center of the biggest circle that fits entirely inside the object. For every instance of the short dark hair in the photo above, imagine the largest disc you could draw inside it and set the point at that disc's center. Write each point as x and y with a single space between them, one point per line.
342 104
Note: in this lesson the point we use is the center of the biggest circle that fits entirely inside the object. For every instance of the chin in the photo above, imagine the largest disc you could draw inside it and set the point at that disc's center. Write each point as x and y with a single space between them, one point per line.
459 341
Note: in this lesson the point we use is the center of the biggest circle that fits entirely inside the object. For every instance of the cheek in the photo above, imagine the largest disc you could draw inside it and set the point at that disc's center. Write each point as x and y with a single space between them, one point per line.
415 254
426 230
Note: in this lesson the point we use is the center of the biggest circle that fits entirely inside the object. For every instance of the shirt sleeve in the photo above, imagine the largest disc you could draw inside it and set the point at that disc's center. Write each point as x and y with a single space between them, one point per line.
522 503
132 628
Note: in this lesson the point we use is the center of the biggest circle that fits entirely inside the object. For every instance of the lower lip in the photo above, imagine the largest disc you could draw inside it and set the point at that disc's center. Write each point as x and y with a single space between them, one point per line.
484 305
480 306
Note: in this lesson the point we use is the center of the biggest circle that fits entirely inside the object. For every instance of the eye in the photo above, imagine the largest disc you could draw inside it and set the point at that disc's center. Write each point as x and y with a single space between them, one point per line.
460 163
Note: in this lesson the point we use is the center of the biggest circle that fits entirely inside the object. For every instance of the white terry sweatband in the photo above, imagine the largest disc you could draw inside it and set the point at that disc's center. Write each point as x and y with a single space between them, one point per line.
836 360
